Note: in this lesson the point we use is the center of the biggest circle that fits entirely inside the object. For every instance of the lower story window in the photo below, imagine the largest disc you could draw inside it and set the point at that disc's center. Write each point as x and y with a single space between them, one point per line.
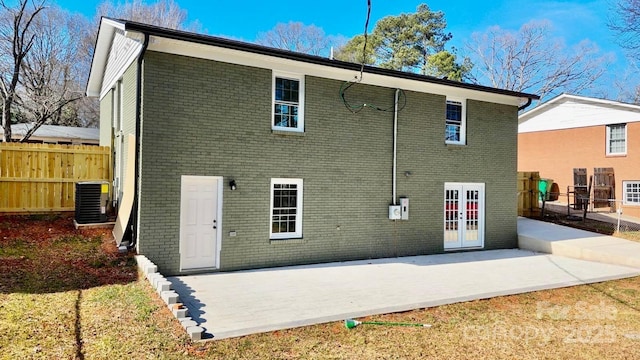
631 194
286 208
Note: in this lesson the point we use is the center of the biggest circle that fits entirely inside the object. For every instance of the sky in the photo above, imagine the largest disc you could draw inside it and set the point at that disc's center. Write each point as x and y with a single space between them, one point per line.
572 21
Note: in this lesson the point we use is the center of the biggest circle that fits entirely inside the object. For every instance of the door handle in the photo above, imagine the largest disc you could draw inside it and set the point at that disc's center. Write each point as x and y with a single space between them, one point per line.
214 224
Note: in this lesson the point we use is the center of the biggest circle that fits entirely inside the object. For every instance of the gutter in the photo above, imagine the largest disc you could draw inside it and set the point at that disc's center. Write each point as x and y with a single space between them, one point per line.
522 107
134 219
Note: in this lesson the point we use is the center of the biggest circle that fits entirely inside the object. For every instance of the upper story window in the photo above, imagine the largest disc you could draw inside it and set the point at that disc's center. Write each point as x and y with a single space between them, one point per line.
455 124
631 192
617 139
286 208
288 102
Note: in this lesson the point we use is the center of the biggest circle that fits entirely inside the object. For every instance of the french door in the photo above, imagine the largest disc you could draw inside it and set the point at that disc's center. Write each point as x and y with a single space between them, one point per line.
463 215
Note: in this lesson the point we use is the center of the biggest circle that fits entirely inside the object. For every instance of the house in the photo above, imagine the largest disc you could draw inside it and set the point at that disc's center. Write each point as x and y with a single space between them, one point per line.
56 134
571 138
242 156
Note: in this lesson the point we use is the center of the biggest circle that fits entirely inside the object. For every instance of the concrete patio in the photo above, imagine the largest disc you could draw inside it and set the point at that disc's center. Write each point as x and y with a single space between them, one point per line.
246 302
579 244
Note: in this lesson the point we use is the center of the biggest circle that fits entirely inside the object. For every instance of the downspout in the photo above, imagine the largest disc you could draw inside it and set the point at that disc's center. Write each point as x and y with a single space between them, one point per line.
395 144
134 219
525 105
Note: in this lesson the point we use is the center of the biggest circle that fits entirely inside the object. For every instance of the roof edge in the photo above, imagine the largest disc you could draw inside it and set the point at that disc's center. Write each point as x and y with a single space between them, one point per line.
318 60
525 116
102 46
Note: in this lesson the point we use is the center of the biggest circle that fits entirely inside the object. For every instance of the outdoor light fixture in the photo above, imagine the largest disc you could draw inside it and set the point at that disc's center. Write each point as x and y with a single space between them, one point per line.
232 185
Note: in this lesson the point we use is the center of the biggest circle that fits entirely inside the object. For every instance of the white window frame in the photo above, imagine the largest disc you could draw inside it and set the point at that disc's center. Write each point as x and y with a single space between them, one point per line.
463 122
299 199
301 96
608 144
625 192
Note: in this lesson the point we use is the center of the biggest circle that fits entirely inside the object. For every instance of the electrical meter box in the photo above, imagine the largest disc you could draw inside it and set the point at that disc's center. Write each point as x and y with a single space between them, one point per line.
404 208
395 212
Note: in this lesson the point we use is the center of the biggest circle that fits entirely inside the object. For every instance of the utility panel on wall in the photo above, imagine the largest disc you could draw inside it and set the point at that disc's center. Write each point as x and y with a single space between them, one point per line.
399 212
395 212
404 208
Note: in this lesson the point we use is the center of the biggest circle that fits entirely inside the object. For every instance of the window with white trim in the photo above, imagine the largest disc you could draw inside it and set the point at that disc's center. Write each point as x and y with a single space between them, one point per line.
631 192
286 208
455 123
288 103
617 139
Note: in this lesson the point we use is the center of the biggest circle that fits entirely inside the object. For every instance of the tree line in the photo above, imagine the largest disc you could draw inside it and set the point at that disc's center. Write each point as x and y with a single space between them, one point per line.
45 58
530 59
46 52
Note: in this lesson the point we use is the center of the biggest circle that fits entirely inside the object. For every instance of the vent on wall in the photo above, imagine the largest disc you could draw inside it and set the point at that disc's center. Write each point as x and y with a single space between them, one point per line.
91 202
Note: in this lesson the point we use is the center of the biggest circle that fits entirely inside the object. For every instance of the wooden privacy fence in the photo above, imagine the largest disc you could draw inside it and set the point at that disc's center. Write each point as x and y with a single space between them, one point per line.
528 194
42 177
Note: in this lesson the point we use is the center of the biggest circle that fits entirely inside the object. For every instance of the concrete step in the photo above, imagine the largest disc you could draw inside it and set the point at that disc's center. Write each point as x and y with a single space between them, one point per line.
561 240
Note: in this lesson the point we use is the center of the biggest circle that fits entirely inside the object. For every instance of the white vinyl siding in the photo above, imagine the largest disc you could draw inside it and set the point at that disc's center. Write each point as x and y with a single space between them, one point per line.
123 53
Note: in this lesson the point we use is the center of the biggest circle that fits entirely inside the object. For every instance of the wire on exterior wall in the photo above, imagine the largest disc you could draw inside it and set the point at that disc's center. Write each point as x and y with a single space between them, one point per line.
364 47
355 108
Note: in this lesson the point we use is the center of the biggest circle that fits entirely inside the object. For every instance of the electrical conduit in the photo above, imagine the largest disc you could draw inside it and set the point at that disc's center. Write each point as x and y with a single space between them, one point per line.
395 144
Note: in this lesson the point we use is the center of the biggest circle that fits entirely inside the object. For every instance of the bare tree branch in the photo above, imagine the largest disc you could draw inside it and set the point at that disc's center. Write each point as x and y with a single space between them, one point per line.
52 72
46 116
625 23
165 13
16 33
531 60
295 36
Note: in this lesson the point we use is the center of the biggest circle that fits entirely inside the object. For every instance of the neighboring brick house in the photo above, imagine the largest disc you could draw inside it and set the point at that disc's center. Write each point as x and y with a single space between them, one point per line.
575 132
249 156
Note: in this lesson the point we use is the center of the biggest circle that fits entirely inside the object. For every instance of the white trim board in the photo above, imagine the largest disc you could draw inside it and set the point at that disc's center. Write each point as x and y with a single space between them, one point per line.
277 64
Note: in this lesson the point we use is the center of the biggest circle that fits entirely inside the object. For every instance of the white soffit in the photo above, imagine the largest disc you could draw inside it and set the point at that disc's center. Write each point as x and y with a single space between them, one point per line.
568 112
209 52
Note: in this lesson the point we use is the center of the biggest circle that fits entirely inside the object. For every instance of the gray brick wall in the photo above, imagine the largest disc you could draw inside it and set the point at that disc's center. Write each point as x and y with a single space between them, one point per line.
209 118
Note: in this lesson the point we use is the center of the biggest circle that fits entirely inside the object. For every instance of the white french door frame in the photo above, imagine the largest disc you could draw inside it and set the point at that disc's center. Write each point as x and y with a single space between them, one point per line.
217 222
464 215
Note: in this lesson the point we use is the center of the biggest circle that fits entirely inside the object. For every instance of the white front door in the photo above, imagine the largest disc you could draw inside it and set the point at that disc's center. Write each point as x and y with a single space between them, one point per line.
463 215
200 222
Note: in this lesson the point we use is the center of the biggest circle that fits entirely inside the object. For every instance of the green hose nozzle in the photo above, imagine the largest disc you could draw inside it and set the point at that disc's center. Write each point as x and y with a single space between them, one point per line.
351 323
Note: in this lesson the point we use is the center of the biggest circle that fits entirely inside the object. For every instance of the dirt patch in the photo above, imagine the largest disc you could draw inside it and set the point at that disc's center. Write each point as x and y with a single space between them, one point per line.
46 253
41 229
47 264
577 222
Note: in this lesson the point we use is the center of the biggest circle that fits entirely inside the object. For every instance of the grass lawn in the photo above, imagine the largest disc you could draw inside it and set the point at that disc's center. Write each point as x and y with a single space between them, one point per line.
629 235
68 294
